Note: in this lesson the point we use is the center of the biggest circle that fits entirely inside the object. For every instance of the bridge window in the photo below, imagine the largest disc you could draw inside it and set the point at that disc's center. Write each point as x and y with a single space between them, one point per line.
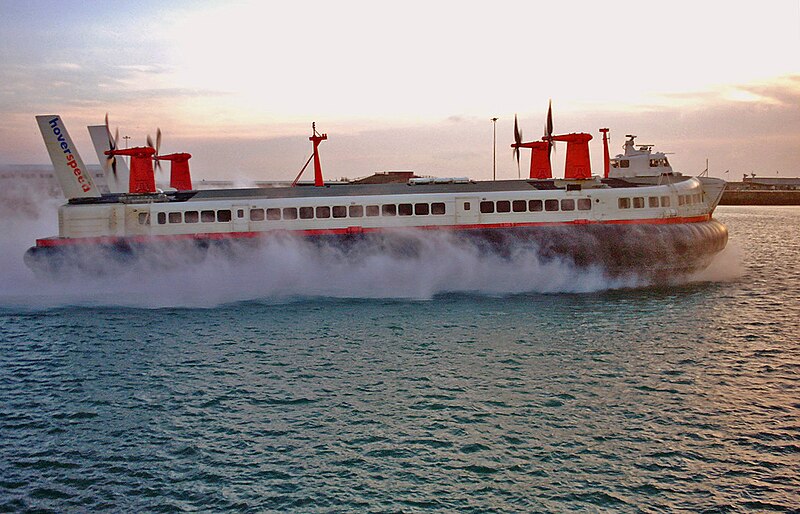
584 204
624 163
255 215
638 202
306 213
503 206
372 210
389 209
194 216
624 203
665 162
405 209
340 211
487 207
421 209
356 211
534 205
208 216
654 163
175 217
568 204
323 212
652 201
614 163
273 214
551 205
437 208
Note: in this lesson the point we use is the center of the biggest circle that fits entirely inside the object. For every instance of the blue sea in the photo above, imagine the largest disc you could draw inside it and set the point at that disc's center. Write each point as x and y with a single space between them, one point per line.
303 381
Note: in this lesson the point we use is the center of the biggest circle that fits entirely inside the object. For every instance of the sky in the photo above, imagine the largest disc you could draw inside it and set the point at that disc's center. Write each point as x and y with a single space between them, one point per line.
406 85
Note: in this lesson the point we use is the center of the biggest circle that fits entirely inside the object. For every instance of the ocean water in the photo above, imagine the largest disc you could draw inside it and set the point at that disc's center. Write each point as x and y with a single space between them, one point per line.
305 382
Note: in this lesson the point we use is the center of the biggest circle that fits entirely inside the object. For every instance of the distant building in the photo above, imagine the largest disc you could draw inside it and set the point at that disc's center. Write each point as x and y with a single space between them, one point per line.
771 182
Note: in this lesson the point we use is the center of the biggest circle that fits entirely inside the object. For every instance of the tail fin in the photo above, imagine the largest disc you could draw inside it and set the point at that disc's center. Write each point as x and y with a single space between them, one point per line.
74 178
119 182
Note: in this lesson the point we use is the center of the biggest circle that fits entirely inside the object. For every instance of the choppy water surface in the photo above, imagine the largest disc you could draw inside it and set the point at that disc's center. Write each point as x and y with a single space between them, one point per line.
560 393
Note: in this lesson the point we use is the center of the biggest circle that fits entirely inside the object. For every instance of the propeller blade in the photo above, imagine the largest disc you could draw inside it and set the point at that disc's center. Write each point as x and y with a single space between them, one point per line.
158 141
518 141
549 127
149 142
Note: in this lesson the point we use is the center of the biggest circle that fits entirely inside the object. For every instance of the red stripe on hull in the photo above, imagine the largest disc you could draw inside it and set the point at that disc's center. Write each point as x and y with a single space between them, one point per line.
215 236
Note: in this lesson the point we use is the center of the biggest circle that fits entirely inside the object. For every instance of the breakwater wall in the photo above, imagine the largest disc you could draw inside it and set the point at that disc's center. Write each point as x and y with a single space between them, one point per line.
760 197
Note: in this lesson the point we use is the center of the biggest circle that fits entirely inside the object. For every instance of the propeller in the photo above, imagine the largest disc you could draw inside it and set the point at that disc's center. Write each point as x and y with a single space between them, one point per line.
548 128
157 147
112 145
517 141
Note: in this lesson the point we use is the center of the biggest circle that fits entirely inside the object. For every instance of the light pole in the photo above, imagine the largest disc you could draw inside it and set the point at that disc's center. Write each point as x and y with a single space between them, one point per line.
126 138
494 148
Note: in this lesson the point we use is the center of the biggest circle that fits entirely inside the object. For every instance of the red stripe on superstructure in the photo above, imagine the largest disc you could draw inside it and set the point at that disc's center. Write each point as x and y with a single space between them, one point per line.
215 236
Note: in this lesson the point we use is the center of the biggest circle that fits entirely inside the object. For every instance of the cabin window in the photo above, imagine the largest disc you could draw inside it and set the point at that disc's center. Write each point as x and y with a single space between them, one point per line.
356 211
273 214
405 209
519 206
323 212
652 201
207 216
144 218
584 204
624 163
372 210
437 208
665 201
466 206
535 205
551 205
306 213
487 207
162 218
224 216
638 202
624 203
194 216
698 198
503 206
421 209
389 209
255 215
174 217
568 204
339 211
681 200
240 213
290 213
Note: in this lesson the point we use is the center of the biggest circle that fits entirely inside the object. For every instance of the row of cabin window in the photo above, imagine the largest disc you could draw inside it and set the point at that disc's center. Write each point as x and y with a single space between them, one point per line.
209 216
293 213
689 199
345 211
567 204
625 163
653 201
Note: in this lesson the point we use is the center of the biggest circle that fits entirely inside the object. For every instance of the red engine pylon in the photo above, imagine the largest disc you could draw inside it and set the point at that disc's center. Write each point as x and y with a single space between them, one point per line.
578 165
540 158
179 176
142 179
